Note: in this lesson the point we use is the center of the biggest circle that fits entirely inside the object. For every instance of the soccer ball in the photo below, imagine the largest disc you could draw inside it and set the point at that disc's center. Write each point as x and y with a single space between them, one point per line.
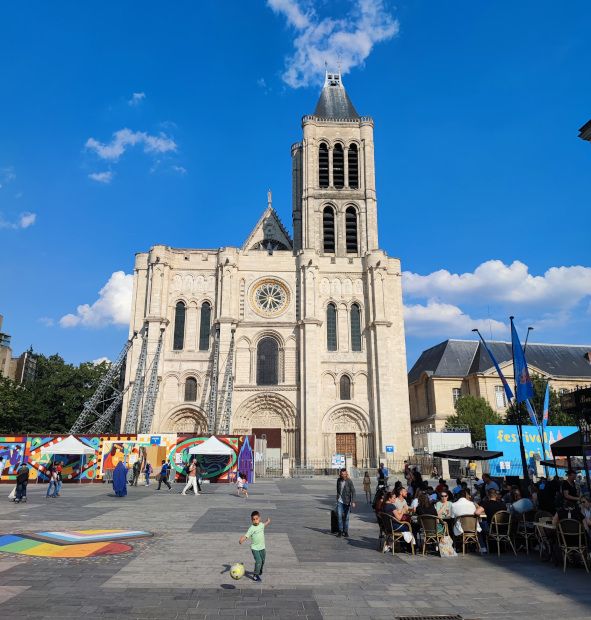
237 571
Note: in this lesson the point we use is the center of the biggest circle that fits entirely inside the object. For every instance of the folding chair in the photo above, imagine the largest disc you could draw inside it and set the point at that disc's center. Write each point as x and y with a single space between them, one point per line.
469 525
430 530
500 530
572 541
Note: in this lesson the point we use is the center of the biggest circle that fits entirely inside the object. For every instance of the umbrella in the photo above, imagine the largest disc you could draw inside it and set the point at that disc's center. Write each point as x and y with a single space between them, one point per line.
468 454
568 446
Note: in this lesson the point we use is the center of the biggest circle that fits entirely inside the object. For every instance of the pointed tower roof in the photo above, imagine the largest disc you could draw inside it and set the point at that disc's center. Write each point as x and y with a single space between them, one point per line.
269 233
334 103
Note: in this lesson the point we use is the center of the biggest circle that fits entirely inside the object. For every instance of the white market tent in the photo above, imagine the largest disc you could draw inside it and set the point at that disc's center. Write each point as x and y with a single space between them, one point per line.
69 445
211 446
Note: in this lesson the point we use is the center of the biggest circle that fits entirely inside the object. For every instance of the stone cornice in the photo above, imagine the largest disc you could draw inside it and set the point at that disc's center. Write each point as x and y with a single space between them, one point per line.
266 388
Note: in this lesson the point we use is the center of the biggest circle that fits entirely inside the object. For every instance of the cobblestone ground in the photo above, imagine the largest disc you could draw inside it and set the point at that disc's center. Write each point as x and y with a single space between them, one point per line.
183 571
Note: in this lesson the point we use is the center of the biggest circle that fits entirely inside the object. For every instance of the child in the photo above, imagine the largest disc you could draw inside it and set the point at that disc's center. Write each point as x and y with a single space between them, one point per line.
367 487
256 535
242 485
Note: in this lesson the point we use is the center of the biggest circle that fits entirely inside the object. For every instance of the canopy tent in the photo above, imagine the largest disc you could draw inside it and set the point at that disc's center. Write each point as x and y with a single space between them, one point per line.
468 454
568 446
69 445
212 446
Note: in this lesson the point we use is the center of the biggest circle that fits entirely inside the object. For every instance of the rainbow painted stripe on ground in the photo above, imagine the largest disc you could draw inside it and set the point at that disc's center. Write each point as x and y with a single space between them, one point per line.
70 544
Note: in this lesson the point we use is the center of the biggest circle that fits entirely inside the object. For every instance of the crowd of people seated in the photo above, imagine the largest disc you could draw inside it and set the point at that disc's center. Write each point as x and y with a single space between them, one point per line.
483 498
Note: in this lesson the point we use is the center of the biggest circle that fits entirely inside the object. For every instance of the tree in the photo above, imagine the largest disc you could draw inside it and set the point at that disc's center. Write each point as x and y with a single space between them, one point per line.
556 416
53 401
475 413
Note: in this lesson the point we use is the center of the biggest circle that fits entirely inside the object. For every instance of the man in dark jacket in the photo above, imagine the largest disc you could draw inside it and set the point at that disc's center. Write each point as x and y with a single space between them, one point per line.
345 501
22 479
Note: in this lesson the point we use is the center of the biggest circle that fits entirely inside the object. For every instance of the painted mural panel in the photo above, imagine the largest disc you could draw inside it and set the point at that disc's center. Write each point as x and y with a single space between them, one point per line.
74 467
12 451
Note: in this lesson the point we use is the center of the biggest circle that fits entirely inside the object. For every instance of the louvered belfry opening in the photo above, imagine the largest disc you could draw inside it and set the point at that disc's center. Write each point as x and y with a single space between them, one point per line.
323 165
328 229
353 160
331 327
178 339
351 229
338 166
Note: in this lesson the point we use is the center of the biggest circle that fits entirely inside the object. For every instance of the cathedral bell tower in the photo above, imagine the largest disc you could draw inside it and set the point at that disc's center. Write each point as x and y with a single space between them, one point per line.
334 196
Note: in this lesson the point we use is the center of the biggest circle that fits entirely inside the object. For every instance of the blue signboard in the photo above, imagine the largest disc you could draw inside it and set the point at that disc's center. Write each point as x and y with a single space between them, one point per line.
504 438
390 449
155 440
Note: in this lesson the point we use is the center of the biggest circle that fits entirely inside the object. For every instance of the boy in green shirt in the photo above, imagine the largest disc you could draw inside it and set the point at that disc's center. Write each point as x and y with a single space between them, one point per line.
256 535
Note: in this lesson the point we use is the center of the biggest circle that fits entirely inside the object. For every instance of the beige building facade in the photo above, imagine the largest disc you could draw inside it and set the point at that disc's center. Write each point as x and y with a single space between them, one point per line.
315 323
456 368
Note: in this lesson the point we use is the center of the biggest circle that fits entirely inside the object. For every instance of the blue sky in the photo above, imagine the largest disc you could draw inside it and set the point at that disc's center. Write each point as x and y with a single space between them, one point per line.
480 172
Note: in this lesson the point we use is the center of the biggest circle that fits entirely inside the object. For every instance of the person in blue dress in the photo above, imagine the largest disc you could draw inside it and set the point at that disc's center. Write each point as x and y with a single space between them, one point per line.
120 480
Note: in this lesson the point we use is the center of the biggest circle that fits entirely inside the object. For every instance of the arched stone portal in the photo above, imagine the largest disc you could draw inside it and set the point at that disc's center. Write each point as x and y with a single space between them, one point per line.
348 429
273 411
186 419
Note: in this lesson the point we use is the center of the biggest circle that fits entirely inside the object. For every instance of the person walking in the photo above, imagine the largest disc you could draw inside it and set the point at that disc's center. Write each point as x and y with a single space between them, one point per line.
22 479
163 477
52 486
191 477
60 480
148 473
345 501
120 480
136 470
256 535
367 487
199 475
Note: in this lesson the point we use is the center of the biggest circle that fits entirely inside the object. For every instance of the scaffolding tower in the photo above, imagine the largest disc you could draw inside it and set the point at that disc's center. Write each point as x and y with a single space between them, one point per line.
90 417
223 427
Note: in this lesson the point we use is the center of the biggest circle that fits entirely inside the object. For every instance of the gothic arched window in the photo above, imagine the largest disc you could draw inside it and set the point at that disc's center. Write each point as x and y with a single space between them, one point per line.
178 340
323 165
205 326
353 166
331 327
351 229
268 362
191 389
328 232
355 328
345 388
338 166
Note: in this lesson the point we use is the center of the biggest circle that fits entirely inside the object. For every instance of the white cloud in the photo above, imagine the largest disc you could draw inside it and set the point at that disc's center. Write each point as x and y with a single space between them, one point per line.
136 99
47 321
101 177
180 169
346 41
563 286
24 221
7 175
113 307
446 320
100 360
125 138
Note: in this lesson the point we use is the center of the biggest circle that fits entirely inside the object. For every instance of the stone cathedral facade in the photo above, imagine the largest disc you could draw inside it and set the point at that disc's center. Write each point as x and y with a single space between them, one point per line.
319 362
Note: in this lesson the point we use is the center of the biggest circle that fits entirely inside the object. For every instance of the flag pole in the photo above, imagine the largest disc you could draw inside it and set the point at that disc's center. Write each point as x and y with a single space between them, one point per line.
517 410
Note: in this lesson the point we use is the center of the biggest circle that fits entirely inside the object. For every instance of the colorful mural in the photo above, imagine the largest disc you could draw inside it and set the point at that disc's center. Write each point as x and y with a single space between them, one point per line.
70 544
112 449
12 450
74 467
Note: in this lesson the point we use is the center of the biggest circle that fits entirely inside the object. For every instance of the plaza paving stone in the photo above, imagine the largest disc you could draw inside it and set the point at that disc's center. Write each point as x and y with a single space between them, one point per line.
183 571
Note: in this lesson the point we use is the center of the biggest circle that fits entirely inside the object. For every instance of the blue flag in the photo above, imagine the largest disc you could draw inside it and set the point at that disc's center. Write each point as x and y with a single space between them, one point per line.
508 391
546 409
532 414
523 384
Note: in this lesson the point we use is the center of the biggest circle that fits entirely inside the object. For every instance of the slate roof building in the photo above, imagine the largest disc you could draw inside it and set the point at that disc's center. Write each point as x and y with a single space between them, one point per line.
316 316
454 368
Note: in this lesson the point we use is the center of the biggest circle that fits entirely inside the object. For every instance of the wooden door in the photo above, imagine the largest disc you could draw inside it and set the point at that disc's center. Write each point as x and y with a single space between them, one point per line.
347 444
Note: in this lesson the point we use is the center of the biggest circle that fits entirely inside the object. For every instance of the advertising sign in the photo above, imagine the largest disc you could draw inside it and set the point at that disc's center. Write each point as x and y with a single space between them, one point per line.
389 449
504 438
338 461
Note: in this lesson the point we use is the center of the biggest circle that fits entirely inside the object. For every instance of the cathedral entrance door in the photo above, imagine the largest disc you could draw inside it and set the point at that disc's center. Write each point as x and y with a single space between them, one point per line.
273 437
347 444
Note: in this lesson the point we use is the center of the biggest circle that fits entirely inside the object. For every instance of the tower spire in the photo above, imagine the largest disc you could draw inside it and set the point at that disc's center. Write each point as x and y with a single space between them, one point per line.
269 198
